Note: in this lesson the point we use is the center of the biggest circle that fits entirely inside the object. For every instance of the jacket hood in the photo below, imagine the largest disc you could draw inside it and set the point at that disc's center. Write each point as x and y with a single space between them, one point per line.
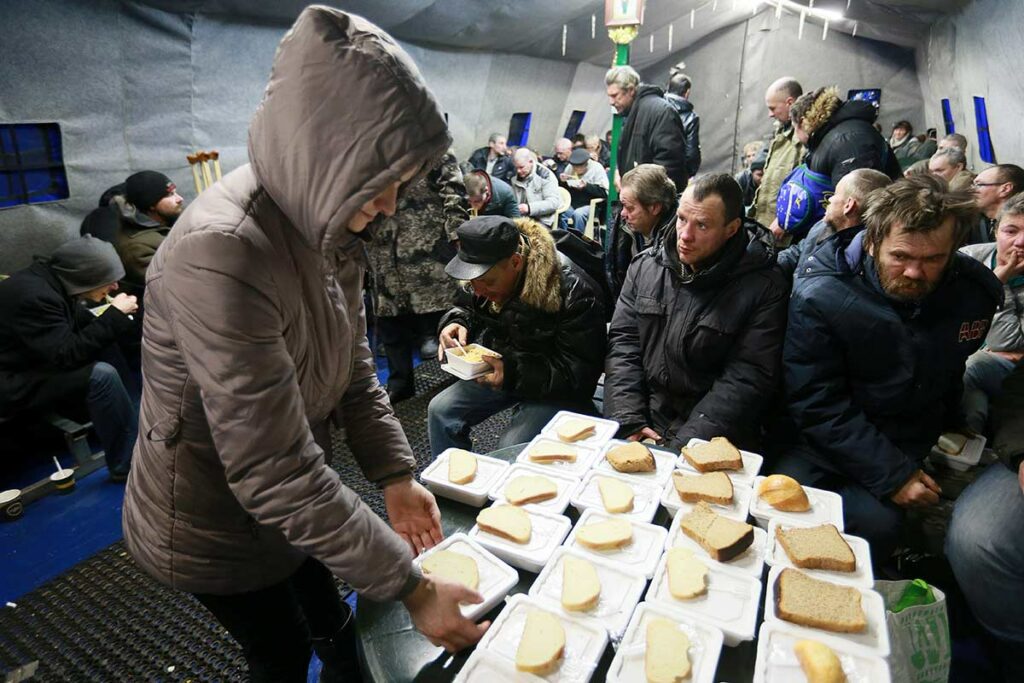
542 282
646 89
345 113
751 248
853 110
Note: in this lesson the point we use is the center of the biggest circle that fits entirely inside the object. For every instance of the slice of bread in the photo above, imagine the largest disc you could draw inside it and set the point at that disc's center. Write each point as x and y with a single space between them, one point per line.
783 493
714 487
573 429
453 565
631 457
819 663
819 547
717 454
606 535
548 451
952 443
530 488
581 587
461 466
666 652
721 537
506 521
687 576
542 645
803 600
616 495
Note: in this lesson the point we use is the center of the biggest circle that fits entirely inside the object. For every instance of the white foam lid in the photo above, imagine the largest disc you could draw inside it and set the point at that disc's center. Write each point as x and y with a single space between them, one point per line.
862 575
826 508
496 577
565 483
737 510
646 497
777 662
474 492
584 457
641 555
547 533
750 560
664 463
745 477
604 429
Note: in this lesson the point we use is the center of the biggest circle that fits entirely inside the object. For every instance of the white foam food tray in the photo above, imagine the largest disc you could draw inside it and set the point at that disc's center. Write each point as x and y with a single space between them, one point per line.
863 576
737 510
777 663
496 577
603 429
473 493
585 640
620 591
874 640
750 560
584 457
745 477
646 497
461 366
966 459
730 603
640 556
565 483
463 374
664 463
705 645
826 508
547 533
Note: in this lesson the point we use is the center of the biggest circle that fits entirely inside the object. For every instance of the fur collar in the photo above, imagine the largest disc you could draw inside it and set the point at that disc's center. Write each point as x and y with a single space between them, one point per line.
824 106
542 281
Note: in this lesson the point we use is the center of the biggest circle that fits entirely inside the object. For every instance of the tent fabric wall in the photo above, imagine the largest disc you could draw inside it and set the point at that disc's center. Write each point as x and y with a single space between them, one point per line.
746 58
977 53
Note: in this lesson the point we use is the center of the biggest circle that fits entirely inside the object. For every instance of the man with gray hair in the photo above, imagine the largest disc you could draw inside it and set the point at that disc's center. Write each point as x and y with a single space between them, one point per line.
652 132
784 151
535 187
954 140
950 164
649 202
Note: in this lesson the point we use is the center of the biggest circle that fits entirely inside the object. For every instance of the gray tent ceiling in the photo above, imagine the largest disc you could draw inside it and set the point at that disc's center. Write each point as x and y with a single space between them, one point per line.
534 27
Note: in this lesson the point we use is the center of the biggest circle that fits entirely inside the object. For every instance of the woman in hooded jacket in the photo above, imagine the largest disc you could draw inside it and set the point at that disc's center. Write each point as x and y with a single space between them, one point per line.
255 343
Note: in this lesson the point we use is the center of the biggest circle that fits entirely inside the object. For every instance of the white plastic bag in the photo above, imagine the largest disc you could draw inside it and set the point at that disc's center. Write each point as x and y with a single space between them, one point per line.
921 649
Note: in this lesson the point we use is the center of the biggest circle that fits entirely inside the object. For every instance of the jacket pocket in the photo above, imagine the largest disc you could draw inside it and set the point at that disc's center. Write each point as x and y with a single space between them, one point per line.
710 343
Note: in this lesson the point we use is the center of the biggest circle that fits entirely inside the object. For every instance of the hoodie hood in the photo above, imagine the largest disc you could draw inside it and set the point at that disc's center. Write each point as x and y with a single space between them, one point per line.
344 114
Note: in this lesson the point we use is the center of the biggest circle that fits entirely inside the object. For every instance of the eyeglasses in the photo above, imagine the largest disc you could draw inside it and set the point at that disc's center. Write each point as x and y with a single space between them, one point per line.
977 184
826 197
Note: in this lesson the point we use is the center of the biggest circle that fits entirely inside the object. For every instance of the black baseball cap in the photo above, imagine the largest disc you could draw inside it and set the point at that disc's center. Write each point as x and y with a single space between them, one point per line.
483 241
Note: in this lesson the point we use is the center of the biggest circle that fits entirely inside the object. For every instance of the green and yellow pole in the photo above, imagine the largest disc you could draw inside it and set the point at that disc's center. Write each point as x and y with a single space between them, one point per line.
622 36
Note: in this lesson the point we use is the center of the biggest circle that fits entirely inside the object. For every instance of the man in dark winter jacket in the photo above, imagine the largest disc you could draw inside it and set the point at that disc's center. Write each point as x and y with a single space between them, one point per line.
536 308
678 96
695 342
490 196
494 158
153 205
651 132
881 323
51 346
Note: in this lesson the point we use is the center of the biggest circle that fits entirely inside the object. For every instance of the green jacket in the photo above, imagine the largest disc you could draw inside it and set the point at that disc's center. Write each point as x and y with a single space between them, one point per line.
784 154
136 246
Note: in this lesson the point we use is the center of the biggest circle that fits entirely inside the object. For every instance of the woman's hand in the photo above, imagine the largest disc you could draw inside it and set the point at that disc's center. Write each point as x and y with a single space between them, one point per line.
413 513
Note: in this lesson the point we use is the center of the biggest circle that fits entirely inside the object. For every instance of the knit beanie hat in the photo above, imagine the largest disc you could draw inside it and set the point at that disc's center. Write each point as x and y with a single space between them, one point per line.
146 188
86 263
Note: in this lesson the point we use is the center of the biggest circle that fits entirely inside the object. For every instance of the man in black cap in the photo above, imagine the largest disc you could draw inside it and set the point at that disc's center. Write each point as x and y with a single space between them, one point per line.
52 348
539 311
586 180
153 206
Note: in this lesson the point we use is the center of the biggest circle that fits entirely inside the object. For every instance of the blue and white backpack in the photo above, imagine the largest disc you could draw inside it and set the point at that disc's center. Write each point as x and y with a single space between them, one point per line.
799 202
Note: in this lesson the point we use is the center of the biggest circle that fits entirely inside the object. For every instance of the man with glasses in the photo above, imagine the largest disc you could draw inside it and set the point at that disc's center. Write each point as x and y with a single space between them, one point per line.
992 187
534 307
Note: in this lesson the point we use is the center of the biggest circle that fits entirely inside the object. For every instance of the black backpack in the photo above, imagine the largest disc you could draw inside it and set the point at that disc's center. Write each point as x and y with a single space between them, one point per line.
588 256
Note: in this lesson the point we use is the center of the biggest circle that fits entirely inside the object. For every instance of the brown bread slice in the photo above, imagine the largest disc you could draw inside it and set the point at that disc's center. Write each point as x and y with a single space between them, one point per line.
717 454
631 457
722 537
819 547
803 600
714 487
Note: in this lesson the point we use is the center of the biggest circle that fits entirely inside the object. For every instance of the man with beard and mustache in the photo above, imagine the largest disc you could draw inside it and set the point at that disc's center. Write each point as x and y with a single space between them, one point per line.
881 323
157 205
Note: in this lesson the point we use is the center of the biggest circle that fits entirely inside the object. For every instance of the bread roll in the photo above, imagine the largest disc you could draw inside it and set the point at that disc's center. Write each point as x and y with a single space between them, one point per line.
819 663
784 493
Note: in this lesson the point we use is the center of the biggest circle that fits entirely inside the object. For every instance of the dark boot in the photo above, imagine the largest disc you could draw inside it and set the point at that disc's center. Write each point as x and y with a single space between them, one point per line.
400 377
339 655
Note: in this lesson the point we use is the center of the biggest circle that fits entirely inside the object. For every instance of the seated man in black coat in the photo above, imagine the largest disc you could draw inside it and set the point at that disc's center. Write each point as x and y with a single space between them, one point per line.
540 311
51 346
695 342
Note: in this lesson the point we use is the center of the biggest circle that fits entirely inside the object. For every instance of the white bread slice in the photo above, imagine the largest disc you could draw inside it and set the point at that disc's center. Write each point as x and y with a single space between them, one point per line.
666 652
455 566
783 493
819 663
717 454
542 645
617 496
461 466
819 547
530 488
581 587
722 537
687 576
606 535
574 429
714 487
631 457
952 443
547 451
803 600
506 521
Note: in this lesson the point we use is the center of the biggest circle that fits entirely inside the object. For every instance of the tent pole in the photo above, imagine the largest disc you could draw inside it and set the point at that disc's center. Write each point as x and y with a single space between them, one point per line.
622 36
